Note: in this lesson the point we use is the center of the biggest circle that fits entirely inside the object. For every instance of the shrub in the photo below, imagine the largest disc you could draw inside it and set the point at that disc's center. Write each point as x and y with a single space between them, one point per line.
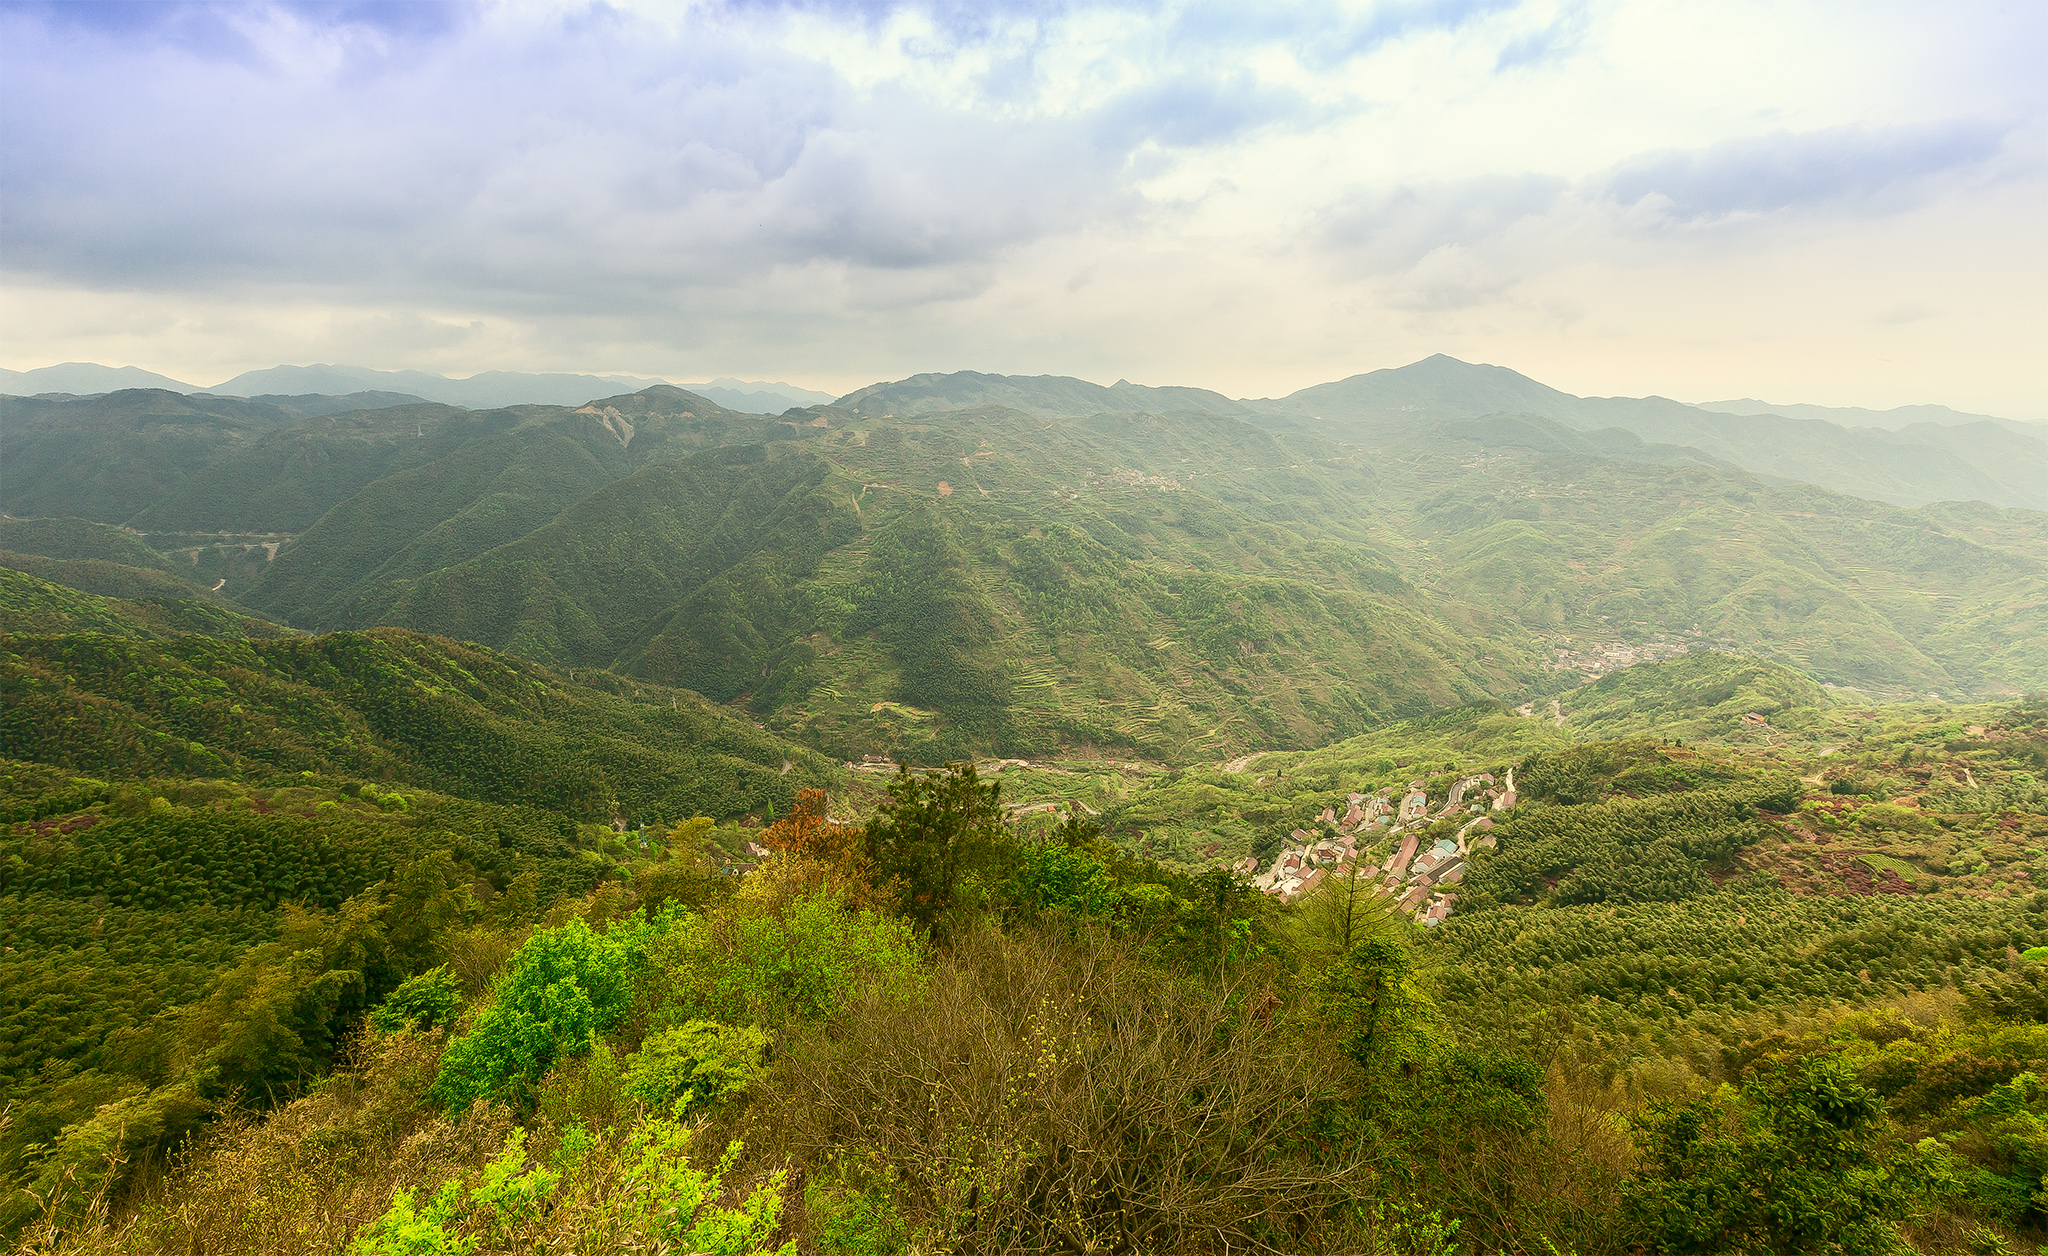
847 1222
424 1001
1794 1161
668 1199
1048 1095
694 1064
748 964
564 987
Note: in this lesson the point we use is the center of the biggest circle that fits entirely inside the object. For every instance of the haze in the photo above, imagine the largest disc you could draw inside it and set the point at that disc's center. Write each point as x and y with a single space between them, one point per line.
1822 202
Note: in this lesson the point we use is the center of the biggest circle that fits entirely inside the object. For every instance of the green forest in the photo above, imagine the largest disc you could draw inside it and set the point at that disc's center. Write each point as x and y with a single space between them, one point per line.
1181 588
375 943
896 828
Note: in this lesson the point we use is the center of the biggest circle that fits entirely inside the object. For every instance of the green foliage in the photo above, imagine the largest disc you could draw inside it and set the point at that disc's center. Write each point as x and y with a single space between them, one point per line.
779 969
850 1222
1590 773
1695 695
673 1201
1622 850
1375 998
563 988
387 705
933 839
404 1230
1793 1161
422 1001
696 1064
32 603
1644 973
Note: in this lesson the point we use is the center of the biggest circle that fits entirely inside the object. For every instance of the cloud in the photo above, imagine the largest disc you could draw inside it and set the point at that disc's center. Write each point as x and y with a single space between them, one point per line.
1194 110
1450 277
593 158
1263 190
1877 167
1551 42
1394 230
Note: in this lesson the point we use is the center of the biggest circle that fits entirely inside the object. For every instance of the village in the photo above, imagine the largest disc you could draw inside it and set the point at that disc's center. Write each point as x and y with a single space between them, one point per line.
1420 881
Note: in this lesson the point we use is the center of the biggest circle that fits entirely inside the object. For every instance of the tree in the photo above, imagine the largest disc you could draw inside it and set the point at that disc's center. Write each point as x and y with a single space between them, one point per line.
1374 998
1793 1161
1342 912
934 830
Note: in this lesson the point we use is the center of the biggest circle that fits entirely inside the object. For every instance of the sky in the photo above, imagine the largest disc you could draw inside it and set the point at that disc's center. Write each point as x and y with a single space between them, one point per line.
1833 201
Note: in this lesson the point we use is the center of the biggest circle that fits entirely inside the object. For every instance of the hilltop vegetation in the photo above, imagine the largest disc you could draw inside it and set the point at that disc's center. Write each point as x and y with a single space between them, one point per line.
387 706
933 1029
220 850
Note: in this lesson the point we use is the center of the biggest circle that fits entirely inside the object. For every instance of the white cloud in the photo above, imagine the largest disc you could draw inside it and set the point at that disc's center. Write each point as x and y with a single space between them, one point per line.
1247 197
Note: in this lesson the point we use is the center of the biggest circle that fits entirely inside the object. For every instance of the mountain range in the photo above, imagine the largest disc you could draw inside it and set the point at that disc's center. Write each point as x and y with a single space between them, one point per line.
980 563
368 389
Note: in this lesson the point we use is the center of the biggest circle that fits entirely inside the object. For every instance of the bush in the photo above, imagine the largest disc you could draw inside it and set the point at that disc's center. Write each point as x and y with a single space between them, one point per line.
565 986
1047 1095
695 1064
425 1001
777 968
1794 1161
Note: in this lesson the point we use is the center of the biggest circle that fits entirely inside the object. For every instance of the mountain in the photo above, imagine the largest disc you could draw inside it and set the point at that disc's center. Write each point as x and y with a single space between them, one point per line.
107 457
997 579
758 397
1856 416
1438 386
986 579
486 390
85 378
846 589
1914 466
41 595
216 855
2002 463
1032 394
318 405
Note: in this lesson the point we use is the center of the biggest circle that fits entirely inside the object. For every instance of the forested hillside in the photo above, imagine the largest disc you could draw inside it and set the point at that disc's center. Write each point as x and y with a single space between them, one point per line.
1997 461
222 847
953 1019
892 576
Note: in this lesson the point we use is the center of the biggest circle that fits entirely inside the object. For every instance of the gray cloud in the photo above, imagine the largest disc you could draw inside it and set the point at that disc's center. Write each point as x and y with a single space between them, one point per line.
496 184
1381 232
1876 167
593 165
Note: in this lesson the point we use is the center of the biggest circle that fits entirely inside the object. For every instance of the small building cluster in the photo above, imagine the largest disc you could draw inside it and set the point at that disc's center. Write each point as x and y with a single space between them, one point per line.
1420 881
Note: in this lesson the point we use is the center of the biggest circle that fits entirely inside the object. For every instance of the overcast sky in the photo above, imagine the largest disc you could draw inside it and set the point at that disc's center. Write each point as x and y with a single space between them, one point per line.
1840 203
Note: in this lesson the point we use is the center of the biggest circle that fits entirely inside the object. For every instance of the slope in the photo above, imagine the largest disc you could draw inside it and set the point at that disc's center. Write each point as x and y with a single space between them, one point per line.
485 481
1065 592
85 378
488 390
1909 467
1053 395
107 458
149 603
387 706
1854 591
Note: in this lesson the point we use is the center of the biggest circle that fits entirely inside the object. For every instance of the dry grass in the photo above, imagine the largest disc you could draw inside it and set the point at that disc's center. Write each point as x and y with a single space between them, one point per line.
305 1177
1055 1096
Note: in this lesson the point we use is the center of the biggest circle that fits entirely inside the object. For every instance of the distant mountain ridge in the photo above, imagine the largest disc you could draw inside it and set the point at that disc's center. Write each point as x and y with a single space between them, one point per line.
483 391
1962 458
1857 416
80 378
750 396
333 389
1910 456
